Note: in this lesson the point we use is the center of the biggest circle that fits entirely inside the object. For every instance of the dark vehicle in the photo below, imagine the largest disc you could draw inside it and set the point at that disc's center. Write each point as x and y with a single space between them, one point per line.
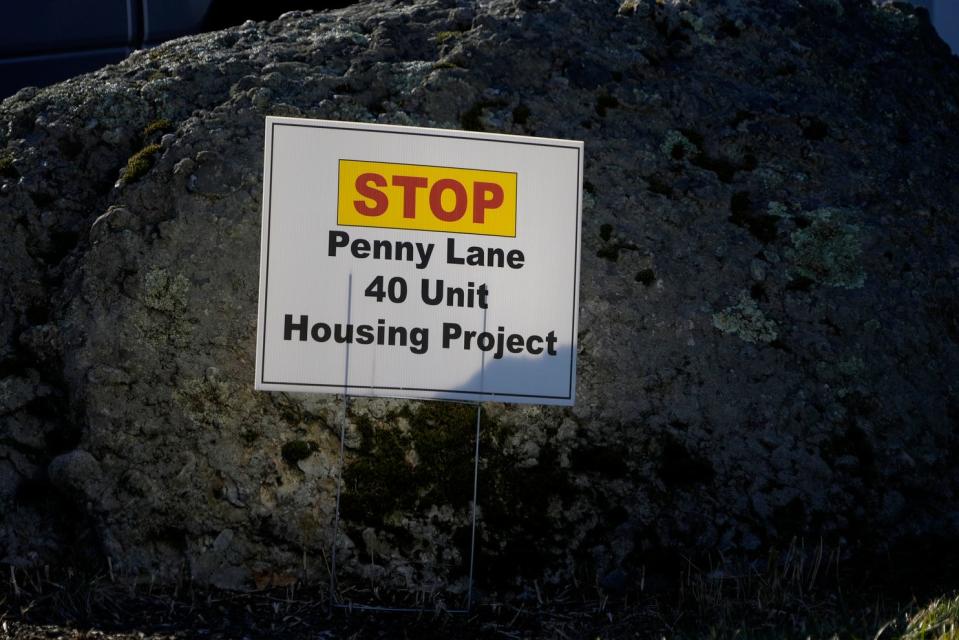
46 41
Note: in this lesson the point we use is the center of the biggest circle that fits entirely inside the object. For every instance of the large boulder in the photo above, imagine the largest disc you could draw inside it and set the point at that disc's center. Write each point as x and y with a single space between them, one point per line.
769 299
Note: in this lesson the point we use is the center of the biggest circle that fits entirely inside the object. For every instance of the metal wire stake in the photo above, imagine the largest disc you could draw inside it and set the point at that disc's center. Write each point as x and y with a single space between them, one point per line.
336 518
339 469
339 487
469 593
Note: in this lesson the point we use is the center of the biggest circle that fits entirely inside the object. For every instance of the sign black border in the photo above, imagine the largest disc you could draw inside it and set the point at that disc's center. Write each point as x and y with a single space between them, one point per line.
490 394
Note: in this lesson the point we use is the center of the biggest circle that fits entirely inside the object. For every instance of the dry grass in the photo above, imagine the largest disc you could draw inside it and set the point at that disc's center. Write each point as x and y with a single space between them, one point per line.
937 621
797 593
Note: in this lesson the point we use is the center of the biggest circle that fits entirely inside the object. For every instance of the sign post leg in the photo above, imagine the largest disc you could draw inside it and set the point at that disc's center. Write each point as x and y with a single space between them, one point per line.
339 466
473 505
336 517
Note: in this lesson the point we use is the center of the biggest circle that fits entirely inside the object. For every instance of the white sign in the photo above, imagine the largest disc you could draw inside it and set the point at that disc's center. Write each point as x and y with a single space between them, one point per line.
418 263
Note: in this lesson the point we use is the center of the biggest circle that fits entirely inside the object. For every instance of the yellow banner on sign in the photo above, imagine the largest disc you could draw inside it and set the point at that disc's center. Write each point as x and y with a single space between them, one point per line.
426 198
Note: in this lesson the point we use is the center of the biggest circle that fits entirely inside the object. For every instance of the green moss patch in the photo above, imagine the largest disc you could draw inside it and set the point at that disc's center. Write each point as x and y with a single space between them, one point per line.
139 163
157 126
445 36
431 463
400 471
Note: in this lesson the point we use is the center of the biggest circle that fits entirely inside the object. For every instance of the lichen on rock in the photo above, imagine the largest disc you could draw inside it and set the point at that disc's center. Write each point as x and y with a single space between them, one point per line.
829 250
746 320
165 292
163 321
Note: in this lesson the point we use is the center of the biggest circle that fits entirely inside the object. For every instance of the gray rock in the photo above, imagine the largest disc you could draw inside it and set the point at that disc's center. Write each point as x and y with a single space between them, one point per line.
9 482
78 473
769 282
17 392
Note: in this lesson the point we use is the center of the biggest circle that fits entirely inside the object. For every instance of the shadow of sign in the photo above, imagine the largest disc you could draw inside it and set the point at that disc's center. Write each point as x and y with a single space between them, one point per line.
419 477
513 378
